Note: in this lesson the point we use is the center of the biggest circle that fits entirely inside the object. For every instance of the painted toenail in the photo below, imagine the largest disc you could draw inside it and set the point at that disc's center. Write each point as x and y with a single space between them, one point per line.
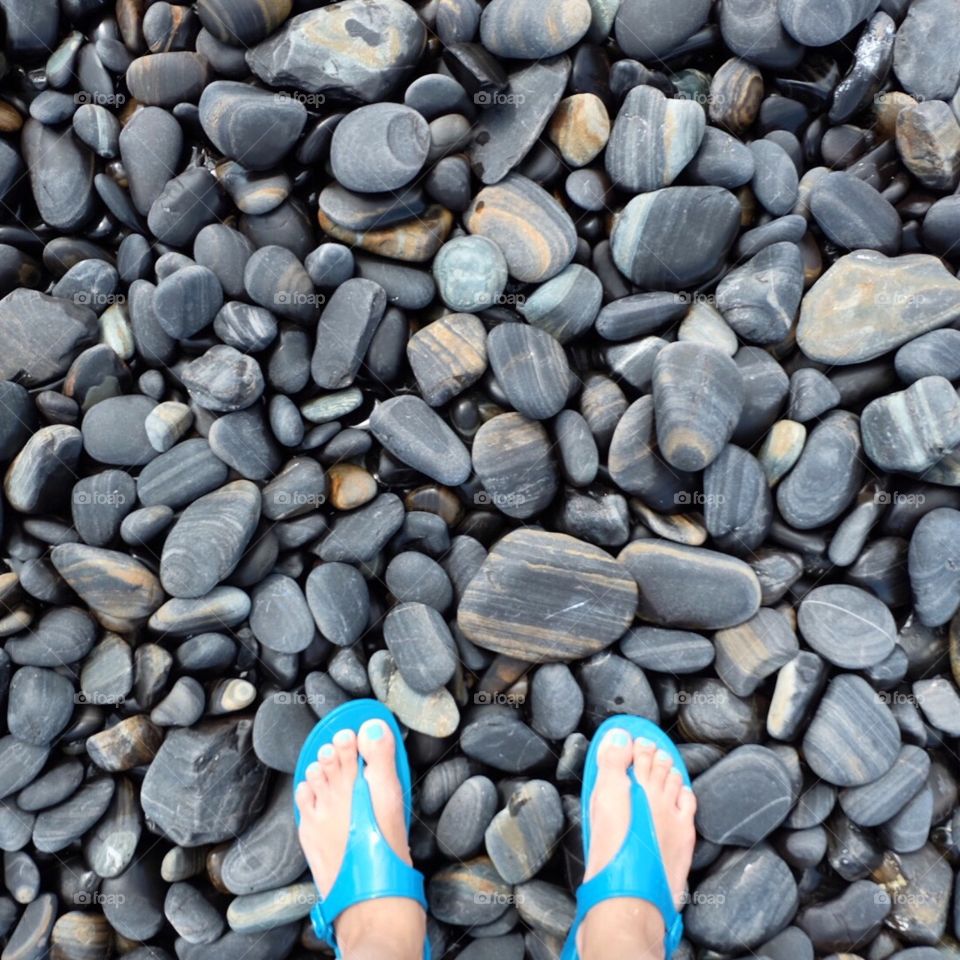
313 769
326 751
374 730
688 789
663 757
342 737
644 743
619 738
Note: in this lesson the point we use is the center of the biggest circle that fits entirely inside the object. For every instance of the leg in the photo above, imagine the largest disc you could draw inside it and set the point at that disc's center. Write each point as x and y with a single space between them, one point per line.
392 928
630 929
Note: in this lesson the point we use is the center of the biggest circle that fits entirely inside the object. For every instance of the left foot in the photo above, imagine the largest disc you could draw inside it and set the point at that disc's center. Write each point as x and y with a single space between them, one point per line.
397 924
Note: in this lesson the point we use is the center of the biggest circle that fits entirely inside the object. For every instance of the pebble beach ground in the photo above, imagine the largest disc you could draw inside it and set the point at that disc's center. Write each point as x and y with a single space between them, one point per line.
515 363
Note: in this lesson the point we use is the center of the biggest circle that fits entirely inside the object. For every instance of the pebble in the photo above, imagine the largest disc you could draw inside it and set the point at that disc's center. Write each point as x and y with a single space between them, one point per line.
531 368
209 538
816 23
415 435
500 740
548 609
925 55
649 29
347 325
853 738
470 273
775 180
525 30
521 837
422 647
279 616
513 460
749 653
913 429
176 478
728 590
580 128
905 296
812 394
928 138
874 803
816 491
735 98
655 243
182 795
448 356
743 798
847 626
434 714
854 215
61 175
42 471
379 147
695 420
652 140
938 700
534 233
234 115
934 584
223 379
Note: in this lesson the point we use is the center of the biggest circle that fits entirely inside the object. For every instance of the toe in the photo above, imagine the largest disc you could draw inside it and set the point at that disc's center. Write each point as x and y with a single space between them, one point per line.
662 764
673 785
615 753
327 758
314 775
305 798
377 747
345 744
643 751
687 803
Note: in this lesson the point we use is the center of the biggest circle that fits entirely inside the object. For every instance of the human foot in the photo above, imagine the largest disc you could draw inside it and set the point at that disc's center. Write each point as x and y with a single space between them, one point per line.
395 926
628 926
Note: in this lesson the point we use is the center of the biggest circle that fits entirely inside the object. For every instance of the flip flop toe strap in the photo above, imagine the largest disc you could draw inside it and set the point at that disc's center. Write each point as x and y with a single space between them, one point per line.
636 871
370 868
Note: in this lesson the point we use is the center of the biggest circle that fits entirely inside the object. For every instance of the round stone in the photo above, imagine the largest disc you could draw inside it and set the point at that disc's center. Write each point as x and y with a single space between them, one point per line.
470 273
528 30
847 626
531 367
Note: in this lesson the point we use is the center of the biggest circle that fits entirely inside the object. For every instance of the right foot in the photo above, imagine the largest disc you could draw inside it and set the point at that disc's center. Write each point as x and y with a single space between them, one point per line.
627 926
389 926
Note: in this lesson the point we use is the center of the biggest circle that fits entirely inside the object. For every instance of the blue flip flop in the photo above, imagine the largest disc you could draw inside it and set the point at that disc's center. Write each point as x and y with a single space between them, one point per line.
637 869
370 868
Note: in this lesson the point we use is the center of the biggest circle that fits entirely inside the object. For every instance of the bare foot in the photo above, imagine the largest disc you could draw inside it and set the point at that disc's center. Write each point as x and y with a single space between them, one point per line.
624 926
392 927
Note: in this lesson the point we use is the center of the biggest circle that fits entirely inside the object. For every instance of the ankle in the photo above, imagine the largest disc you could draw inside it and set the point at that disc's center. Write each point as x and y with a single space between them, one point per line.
385 928
623 929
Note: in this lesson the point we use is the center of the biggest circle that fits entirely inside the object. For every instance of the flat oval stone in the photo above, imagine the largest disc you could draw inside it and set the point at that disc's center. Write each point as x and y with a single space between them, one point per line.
243 441
114 431
849 919
522 836
775 179
527 30
234 115
925 56
187 300
749 653
652 140
205 784
536 598
728 592
465 818
279 616
531 367
534 233
166 79
357 537
933 565
827 475
903 297
853 214
743 798
759 300
208 539
853 738
695 419
500 740
63 635
512 458
667 651
32 688
721 161
847 626
759 897
928 137
934 354
676 237
57 827
379 147
818 23
339 601
738 510
421 644
417 436
357 49
613 685
468 893
111 583
150 145
186 471
61 175
752 29
223 379
580 128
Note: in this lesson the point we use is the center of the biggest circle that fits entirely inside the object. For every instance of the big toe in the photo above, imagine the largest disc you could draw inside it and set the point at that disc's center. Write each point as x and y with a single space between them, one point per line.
377 747
615 753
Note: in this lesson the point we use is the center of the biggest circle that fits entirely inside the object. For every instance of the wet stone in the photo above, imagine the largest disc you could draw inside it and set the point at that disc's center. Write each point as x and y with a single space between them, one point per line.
747 654
743 798
531 367
468 893
852 738
847 626
847 920
535 598
925 54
